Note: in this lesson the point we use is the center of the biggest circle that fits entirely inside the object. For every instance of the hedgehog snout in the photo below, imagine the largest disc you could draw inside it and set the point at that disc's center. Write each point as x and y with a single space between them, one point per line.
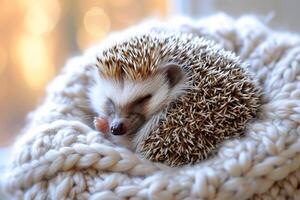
119 127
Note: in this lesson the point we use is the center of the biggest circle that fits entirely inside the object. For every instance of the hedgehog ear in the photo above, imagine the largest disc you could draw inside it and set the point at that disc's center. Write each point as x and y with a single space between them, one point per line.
174 74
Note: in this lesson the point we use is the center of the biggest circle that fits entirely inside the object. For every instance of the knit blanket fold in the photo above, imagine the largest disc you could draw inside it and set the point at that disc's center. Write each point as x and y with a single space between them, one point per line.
60 155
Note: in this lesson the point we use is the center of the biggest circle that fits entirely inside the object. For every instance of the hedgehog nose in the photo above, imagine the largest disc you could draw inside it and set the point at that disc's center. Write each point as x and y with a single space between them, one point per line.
118 128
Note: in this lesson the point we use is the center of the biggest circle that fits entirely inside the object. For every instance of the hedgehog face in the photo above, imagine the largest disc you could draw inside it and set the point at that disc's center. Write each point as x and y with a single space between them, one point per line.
126 105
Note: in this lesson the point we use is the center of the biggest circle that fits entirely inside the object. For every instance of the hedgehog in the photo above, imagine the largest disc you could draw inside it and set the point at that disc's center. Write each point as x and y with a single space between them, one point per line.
171 97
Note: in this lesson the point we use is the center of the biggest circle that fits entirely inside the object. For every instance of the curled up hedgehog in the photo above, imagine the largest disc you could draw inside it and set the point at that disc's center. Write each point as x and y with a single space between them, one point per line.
172 97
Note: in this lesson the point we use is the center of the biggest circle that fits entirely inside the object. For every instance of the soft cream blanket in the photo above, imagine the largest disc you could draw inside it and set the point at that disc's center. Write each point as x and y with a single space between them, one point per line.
61 157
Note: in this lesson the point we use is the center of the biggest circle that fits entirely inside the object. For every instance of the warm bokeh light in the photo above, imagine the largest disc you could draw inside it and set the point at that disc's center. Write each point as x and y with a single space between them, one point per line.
85 40
96 25
35 61
42 16
96 22
122 3
38 36
3 60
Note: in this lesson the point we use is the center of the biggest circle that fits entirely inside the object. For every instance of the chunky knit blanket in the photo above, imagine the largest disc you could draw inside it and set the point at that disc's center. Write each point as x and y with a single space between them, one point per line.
60 156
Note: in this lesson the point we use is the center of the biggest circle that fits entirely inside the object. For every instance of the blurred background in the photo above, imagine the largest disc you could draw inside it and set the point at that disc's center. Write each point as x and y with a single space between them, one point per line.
38 36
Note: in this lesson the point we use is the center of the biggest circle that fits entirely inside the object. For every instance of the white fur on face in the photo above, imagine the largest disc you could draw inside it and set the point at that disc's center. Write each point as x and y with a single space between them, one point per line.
123 93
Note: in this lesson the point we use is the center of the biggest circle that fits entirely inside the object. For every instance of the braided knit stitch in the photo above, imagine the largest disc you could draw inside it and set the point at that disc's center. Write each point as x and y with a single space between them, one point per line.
61 157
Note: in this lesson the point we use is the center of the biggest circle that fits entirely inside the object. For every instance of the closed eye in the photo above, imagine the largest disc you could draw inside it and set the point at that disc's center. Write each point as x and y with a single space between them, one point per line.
137 106
142 100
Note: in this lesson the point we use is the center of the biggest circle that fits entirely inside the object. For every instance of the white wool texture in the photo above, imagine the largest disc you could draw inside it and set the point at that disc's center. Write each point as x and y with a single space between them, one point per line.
59 155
